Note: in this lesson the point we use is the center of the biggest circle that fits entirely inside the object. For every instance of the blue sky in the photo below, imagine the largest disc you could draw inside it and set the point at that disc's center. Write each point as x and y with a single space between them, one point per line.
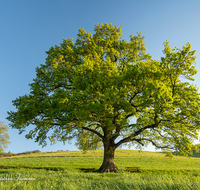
29 28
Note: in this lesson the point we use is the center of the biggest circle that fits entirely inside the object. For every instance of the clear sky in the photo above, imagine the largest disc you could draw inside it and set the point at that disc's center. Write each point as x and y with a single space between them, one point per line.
29 28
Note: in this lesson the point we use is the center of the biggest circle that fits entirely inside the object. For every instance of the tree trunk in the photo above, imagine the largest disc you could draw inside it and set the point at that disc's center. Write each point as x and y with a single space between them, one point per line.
108 161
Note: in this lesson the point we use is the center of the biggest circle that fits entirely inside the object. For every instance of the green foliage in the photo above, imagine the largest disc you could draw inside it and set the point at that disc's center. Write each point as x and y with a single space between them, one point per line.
92 89
86 140
169 155
4 136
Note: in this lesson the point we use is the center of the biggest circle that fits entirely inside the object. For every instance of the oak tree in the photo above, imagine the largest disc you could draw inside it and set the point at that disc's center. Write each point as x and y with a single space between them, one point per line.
105 91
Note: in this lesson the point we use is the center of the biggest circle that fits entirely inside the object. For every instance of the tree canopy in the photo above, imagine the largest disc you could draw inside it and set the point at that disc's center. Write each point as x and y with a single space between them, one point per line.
4 136
105 91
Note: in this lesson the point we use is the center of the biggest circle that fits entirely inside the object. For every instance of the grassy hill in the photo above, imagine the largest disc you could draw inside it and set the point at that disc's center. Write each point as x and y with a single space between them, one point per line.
74 160
61 170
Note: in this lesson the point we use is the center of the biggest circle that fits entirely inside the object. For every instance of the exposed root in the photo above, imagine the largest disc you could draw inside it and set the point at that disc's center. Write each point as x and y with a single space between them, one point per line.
108 170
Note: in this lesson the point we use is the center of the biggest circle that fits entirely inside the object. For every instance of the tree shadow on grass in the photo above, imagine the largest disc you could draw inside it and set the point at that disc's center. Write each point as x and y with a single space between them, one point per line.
3 172
31 167
88 170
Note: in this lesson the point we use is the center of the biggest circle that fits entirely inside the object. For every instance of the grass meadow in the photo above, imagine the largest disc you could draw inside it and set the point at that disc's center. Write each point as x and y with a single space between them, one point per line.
61 170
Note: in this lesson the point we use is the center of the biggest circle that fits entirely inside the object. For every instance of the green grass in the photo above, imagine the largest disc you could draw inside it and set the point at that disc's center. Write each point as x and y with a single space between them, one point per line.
74 160
61 170
65 179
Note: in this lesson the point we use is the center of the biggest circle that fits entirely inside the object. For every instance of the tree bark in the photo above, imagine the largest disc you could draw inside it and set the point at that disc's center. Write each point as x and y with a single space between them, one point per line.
108 161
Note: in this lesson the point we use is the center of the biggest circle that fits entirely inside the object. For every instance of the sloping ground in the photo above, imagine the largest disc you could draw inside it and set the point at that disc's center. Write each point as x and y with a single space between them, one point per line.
75 160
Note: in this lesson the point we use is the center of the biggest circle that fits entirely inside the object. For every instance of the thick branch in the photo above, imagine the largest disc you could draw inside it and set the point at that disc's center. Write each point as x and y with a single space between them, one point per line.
93 131
157 146
128 139
116 134
160 134
129 115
